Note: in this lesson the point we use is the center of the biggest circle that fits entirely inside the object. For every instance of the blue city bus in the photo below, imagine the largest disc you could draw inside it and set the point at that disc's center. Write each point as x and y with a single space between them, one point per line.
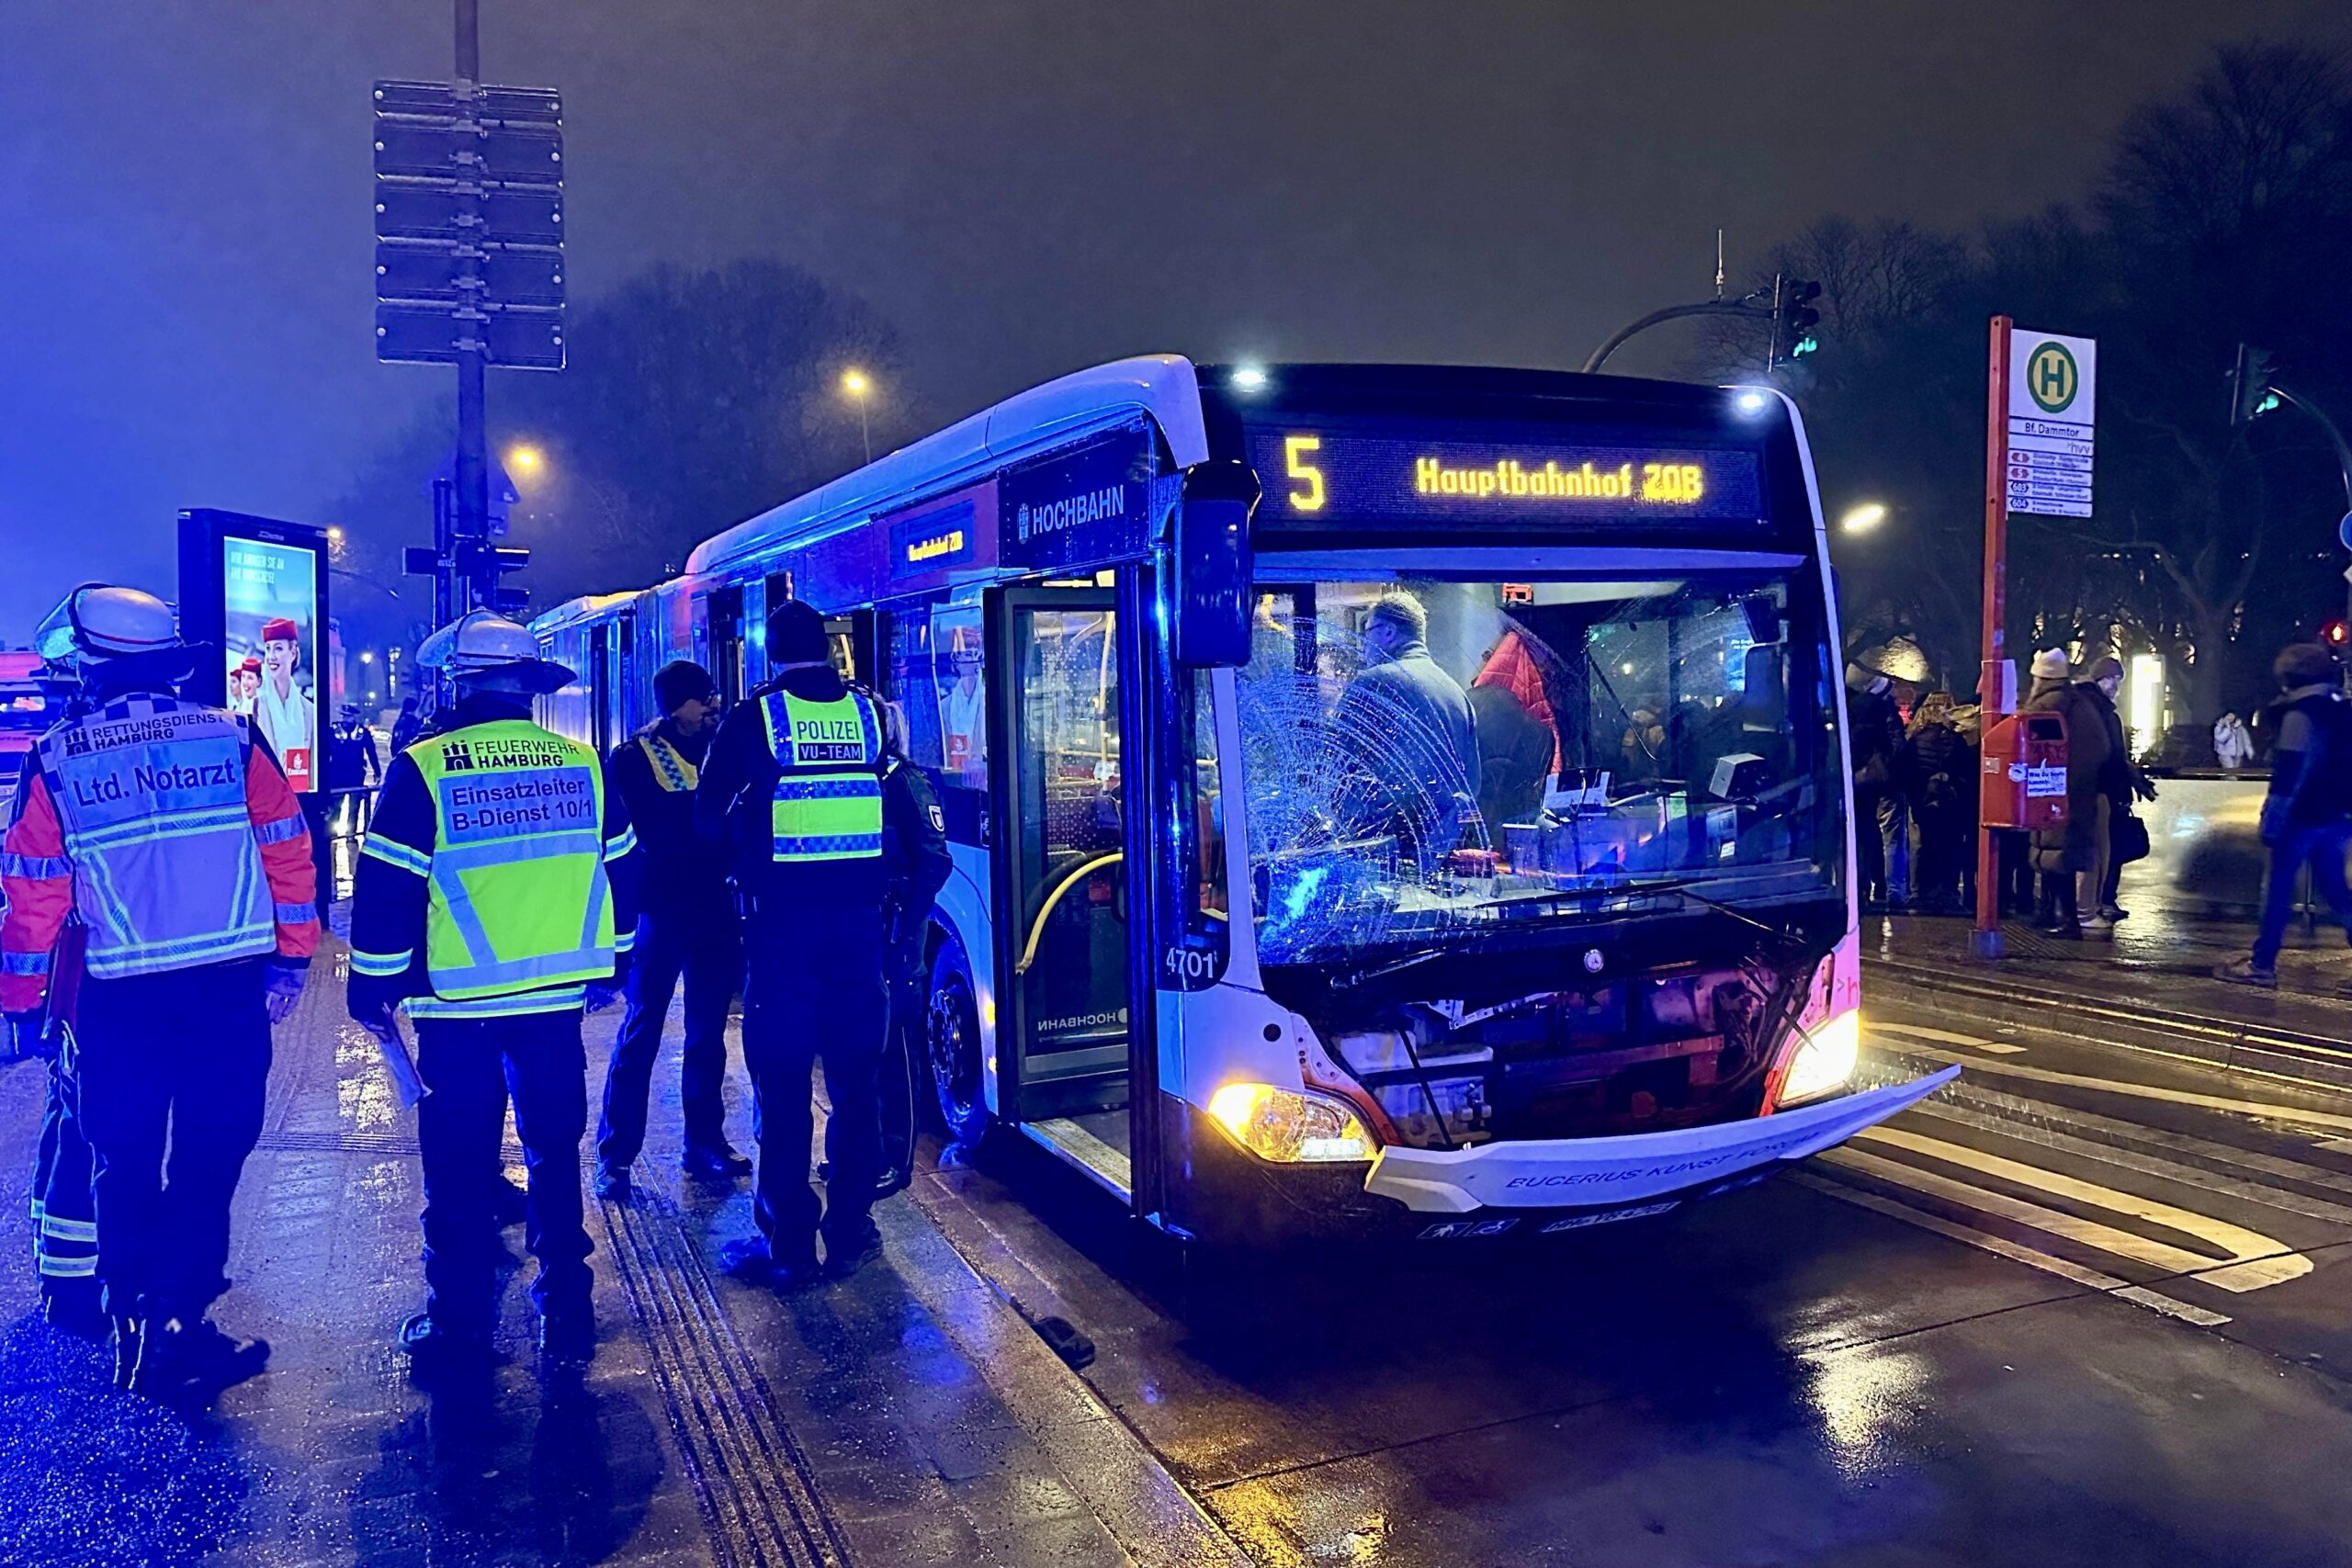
1386 801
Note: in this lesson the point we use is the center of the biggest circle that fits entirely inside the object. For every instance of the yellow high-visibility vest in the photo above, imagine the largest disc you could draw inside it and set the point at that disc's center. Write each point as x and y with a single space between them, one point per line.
518 898
828 803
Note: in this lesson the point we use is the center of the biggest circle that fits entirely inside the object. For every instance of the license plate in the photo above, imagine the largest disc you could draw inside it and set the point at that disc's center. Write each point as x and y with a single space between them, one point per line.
1580 1222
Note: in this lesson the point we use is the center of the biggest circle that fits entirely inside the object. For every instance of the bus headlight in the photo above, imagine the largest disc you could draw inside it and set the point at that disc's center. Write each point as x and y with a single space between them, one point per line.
1824 1061
1288 1127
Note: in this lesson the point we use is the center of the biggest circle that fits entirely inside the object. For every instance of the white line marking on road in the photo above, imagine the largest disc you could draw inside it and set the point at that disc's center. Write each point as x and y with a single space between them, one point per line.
2002 1247
2014 1109
2251 1260
2335 1146
1946 1037
2145 1164
2263 1109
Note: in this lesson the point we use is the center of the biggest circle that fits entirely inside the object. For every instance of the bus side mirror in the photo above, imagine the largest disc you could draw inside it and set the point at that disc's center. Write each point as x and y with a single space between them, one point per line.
1212 566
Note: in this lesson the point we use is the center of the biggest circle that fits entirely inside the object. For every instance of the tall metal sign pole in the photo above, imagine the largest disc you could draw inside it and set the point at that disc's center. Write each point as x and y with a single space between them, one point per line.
470 273
473 470
2041 441
1996 686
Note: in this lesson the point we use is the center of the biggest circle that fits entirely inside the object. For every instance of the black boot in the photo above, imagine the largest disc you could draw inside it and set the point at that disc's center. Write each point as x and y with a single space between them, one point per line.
438 1354
72 1307
180 1358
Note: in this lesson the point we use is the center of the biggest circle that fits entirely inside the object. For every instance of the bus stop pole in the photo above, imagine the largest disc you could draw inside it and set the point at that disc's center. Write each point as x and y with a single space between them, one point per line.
1995 690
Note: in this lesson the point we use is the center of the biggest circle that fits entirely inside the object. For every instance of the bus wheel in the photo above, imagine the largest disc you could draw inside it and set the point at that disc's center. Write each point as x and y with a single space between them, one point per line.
953 1031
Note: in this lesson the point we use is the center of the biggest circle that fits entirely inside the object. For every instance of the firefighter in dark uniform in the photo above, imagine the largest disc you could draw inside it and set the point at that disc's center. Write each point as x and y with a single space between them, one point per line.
494 900
686 928
794 785
915 839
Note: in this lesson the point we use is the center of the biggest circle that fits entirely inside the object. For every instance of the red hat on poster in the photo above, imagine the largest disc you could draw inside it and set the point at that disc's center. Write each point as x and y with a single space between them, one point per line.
280 630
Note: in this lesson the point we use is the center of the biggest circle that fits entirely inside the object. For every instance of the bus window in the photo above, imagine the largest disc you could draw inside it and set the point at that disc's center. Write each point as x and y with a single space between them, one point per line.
1073 837
725 615
961 695
908 682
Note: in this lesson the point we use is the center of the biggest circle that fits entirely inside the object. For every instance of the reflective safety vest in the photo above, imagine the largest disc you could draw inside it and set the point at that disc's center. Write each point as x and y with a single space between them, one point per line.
151 802
517 898
828 801
672 768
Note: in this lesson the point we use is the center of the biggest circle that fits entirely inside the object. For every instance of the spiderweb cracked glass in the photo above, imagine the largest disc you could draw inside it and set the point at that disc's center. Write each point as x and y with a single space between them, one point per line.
1356 796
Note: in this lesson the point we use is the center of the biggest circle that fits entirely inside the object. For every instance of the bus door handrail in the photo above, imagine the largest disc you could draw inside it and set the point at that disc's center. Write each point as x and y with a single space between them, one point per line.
1037 926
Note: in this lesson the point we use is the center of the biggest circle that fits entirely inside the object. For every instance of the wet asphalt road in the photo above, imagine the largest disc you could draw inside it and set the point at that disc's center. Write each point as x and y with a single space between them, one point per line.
2076 1310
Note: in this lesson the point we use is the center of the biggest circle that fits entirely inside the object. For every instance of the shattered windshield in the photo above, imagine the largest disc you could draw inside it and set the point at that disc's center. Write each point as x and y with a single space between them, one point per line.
1426 758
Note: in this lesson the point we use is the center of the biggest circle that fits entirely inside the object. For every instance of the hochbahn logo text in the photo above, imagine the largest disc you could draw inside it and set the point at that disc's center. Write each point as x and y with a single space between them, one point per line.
1072 512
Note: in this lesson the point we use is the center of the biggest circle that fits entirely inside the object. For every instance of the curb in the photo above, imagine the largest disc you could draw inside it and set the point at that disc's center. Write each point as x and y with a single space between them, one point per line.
2233 1044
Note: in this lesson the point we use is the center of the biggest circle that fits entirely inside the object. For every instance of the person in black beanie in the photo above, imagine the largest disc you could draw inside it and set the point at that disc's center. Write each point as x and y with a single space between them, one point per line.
686 928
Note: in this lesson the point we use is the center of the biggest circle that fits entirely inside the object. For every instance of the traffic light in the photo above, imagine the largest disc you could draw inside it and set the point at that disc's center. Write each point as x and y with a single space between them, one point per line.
2250 389
511 602
2336 634
1795 319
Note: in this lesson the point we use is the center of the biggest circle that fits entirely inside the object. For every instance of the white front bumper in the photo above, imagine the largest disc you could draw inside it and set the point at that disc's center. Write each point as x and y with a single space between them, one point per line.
1593 1172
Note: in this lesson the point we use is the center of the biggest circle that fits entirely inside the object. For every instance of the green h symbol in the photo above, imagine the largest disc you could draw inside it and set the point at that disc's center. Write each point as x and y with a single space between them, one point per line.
2052 371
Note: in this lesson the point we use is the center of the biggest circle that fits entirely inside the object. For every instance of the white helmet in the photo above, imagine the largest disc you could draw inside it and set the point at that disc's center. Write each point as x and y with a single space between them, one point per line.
97 622
482 648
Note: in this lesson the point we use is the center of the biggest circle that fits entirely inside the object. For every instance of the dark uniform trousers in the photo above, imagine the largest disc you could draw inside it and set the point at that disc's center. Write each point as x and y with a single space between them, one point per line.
171 1073
471 1066
707 951
65 1231
813 989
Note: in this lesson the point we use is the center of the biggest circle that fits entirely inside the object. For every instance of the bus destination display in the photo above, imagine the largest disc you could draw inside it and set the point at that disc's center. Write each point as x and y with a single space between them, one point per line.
1315 475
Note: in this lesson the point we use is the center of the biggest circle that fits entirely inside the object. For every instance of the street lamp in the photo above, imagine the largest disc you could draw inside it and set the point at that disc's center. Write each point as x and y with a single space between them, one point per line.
524 462
366 656
1863 518
855 383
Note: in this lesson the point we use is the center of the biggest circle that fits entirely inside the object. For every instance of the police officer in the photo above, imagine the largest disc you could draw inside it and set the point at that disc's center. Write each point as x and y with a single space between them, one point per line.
168 830
685 926
794 785
494 899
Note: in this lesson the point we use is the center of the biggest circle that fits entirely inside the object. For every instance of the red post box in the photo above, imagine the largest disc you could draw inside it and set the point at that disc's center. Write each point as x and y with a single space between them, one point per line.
2024 782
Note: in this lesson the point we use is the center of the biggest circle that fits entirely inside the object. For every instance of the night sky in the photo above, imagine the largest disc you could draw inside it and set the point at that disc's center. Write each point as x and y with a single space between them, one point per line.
1019 186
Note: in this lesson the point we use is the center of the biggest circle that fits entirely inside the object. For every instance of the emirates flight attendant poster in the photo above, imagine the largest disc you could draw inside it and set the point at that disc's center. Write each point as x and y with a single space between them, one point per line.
267 639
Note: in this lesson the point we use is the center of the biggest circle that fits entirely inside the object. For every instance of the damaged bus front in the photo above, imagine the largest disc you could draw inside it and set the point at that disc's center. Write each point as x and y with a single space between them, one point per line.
1525 863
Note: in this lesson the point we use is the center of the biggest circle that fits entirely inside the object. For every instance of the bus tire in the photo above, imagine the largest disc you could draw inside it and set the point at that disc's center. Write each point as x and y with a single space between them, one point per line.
952 1033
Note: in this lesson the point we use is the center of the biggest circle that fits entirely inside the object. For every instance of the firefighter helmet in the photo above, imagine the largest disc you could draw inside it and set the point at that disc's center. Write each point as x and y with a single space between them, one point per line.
99 621
482 648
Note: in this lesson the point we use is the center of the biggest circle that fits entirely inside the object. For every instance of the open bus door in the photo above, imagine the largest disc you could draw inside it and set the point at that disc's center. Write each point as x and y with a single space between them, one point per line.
1067 1001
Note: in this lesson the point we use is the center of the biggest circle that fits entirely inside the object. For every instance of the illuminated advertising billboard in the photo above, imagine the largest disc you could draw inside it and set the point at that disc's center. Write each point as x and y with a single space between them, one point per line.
254 592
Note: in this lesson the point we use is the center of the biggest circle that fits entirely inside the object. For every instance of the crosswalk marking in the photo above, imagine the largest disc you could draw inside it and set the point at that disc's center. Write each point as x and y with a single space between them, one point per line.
2149 1164
2003 1247
2267 1109
2009 1110
2250 1262
1946 1037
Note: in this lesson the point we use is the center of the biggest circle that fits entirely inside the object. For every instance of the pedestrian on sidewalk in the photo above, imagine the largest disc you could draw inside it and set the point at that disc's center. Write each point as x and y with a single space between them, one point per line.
495 899
2307 815
1874 735
1936 771
2062 853
167 829
2121 783
2232 742
792 786
686 928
